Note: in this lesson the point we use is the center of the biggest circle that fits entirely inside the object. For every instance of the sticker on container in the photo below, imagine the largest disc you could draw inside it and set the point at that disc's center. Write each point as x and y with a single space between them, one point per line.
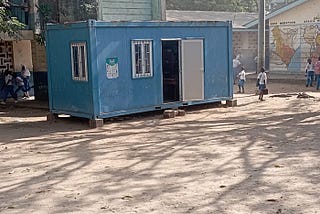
112 67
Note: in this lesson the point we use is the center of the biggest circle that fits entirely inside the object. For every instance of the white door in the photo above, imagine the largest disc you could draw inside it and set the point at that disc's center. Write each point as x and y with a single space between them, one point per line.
192 70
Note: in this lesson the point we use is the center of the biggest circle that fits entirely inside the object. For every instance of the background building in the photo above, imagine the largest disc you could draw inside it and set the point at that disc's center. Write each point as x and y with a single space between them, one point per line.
245 40
292 31
29 49
294 36
14 52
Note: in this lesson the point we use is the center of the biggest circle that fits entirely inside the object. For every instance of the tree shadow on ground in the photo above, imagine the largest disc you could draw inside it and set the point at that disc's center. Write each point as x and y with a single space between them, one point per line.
209 163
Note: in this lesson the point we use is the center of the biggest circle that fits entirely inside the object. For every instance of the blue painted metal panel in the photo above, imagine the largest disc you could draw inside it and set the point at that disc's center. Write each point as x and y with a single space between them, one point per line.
93 70
125 92
102 97
66 94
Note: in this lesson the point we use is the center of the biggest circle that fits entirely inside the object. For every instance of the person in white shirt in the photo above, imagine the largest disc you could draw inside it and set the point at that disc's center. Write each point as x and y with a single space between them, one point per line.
242 80
25 75
262 82
309 72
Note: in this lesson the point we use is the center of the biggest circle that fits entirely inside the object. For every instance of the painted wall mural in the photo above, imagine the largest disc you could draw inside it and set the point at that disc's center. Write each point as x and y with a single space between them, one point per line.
292 45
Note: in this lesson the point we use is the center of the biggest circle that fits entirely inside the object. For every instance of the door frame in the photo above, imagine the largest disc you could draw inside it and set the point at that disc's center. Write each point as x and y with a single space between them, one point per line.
180 50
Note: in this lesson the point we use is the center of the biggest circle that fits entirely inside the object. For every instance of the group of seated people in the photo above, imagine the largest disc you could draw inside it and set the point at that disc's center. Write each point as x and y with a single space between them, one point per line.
13 83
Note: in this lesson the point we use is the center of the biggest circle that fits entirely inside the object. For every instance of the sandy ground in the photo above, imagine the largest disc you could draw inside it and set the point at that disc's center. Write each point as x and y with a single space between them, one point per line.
258 157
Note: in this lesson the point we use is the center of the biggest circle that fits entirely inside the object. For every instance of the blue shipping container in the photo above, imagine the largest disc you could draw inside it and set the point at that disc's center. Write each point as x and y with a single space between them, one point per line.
100 69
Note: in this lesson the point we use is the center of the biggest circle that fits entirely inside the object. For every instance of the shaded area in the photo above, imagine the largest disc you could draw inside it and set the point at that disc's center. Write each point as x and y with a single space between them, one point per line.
253 158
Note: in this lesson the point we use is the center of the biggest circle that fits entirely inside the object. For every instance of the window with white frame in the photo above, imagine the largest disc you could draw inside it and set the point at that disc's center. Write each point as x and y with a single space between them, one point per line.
141 58
79 61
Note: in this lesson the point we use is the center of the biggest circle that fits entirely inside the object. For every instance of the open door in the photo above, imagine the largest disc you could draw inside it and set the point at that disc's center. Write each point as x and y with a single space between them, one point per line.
192 70
170 70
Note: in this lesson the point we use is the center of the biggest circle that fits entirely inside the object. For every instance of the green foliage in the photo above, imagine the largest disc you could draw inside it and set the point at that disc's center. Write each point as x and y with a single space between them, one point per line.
9 25
88 9
51 11
45 12
48 13
40 38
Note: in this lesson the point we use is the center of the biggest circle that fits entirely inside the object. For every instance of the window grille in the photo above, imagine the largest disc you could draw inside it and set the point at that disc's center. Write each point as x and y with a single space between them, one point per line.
141 58
79 61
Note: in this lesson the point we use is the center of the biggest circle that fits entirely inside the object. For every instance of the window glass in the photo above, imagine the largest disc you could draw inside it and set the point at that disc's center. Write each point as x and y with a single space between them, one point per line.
75 62
79 61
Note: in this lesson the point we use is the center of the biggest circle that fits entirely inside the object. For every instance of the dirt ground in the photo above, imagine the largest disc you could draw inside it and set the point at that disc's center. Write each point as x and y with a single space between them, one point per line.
258 157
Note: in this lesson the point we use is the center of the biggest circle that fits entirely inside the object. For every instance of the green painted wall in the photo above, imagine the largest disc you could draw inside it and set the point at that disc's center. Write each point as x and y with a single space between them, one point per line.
128 10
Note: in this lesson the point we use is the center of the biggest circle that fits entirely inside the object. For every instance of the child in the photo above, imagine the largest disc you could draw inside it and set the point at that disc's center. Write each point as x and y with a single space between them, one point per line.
242 80
8 87
317 73
19 84
309 72
25 75
262 80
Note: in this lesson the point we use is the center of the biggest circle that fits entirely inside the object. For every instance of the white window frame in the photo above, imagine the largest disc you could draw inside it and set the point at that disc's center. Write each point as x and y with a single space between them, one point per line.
145 59
82 69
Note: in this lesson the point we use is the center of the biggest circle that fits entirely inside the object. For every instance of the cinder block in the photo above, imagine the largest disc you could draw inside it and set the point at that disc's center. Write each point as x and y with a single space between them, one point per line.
52 117
231 103
95 123
169 114
181 112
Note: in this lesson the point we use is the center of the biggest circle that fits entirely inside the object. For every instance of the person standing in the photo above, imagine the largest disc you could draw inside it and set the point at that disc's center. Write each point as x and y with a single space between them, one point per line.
242 80
262 82
25 75
309 72
236 65
256 63
317 73
8 87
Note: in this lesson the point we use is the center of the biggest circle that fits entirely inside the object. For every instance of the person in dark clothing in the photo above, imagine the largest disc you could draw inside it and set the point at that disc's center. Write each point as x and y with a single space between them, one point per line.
8 87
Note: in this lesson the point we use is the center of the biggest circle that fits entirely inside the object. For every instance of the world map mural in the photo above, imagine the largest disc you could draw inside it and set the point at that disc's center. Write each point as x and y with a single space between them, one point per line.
291 46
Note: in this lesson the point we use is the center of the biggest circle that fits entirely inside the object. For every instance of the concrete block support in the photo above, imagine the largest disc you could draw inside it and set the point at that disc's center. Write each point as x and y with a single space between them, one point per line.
231 103
181 112
169 114
95 123
52 117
